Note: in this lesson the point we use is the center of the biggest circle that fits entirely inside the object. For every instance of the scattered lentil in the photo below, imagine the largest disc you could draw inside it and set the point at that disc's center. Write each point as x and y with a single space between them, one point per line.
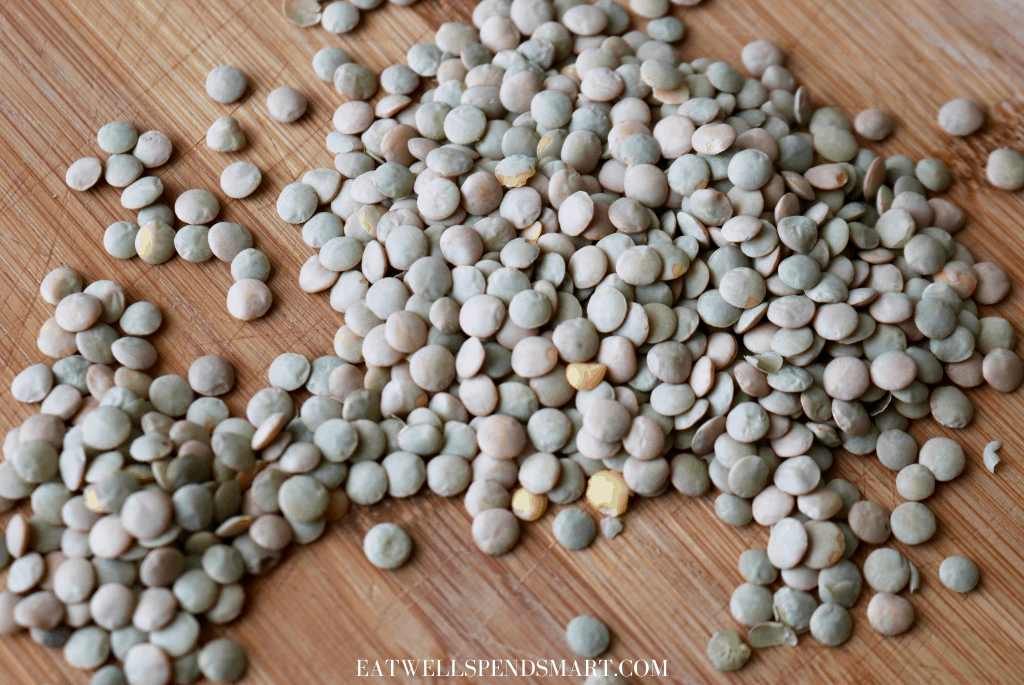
387 546
495 531
84 173
286 104
873 124
960 117
840 277
222 661
153 149
225 84
587 636
959 574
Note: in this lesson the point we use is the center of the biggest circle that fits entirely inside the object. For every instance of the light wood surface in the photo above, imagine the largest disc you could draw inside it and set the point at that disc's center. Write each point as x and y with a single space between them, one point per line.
663 586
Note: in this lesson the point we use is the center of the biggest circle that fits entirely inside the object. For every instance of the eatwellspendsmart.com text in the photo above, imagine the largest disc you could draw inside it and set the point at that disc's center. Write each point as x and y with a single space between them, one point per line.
504 668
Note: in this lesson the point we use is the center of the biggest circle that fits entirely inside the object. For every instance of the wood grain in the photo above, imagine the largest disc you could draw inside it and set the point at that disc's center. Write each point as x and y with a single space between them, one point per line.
663 586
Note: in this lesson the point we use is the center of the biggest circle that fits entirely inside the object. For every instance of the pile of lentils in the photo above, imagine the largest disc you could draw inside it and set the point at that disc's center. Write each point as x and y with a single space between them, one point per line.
139 526
620 273
547 266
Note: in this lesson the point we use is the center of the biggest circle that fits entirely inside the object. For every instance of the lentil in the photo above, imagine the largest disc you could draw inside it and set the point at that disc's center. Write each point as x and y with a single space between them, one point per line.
890 614
959 574
225 84
225 135
960 117
83 173
387 546
587 636
285 104
240 179
574 528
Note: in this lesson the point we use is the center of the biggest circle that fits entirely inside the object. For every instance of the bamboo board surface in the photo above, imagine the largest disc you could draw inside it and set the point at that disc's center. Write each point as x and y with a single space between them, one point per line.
663 586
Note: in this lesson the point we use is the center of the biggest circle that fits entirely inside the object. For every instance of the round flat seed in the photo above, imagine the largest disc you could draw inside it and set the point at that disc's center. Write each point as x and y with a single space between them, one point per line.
886 570
211 375
893 370
147 664
289 371
798 475
84 173
742 287
1003 370
223 661
574 528
122 170
240 179
831 624
87 648
751 604
249 299
890 614
227 240
943 457
297 203
788 543
33 384
225 84
960 117
1004 170
495 531
142 193
835 321
25 573
587 636
869 522
826 544
912 523
154 242
387 546
959 574
179 637
951 407
747 422
285 104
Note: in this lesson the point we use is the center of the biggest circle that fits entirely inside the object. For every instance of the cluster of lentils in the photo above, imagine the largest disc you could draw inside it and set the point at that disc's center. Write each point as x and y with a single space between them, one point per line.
138 489
625 273
576 269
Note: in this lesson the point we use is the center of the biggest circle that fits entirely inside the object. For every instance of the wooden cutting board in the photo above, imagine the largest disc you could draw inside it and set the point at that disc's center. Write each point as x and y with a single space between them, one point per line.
663 586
